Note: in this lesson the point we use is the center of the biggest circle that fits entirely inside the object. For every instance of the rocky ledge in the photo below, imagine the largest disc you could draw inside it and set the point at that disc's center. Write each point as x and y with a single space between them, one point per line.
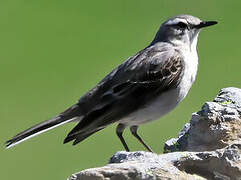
209 147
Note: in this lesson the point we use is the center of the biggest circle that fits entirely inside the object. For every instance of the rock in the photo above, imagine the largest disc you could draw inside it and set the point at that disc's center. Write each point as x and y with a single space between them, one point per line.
220 164
209 147
217 125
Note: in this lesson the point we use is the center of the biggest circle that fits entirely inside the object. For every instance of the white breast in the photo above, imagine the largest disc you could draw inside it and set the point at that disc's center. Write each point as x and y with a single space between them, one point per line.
190 72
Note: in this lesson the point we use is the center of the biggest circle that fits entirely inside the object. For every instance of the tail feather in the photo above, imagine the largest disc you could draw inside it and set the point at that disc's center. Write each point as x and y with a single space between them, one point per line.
80 136
36 130
69 115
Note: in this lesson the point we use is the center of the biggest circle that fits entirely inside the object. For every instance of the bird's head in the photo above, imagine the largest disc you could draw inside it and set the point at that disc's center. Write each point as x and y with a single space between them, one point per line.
182 30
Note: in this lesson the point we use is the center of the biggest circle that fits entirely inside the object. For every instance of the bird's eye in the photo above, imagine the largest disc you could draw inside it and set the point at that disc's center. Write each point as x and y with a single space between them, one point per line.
182 25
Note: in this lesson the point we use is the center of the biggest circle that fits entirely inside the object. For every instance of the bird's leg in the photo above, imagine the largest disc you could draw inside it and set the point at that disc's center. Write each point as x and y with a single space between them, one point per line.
119 131
134 132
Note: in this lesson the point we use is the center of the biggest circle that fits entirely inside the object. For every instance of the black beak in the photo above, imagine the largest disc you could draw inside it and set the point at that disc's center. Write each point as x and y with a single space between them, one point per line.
205 24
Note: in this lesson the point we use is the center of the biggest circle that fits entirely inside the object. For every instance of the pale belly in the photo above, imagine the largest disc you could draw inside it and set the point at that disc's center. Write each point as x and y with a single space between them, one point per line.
154 110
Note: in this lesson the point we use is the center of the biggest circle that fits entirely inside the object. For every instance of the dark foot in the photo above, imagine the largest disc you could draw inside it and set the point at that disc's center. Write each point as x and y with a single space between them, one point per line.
119 131
134 132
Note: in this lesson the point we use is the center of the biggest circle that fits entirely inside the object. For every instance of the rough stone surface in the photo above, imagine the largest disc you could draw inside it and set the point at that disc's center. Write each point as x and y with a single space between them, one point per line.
209 147
217 125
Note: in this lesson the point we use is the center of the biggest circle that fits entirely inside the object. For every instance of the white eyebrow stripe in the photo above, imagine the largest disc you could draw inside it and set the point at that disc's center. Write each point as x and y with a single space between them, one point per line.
176 21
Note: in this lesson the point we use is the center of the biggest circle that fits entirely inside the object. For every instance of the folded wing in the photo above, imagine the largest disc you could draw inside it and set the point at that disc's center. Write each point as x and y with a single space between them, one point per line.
129 87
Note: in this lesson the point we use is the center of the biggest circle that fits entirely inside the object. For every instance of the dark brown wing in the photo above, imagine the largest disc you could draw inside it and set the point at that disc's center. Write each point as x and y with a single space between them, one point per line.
129 87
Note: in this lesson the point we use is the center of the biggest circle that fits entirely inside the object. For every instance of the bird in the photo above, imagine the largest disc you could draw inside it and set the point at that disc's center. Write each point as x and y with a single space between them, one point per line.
145 87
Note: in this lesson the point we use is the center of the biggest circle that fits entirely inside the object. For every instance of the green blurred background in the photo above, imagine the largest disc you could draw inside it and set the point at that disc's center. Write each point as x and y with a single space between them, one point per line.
52 52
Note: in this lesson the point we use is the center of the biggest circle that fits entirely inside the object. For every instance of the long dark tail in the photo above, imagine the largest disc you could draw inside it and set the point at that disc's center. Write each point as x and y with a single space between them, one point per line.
42 127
